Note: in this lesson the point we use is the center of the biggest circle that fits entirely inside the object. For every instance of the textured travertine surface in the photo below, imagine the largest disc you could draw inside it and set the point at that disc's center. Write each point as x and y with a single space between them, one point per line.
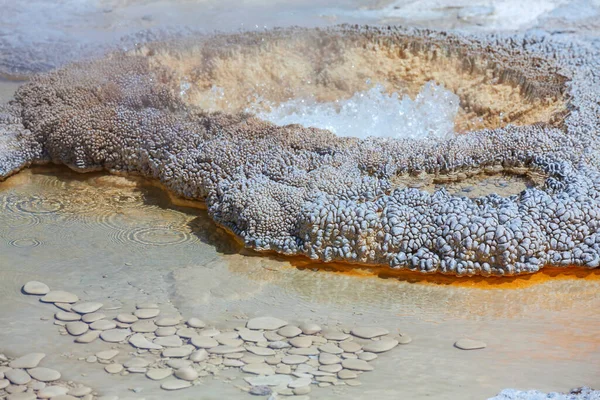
298 190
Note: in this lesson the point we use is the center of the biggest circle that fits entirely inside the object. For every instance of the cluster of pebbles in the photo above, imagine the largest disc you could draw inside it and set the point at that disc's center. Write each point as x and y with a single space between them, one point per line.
24 379
277 358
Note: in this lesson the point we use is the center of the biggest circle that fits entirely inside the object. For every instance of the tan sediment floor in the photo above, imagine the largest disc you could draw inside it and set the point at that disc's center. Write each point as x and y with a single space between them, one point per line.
119 241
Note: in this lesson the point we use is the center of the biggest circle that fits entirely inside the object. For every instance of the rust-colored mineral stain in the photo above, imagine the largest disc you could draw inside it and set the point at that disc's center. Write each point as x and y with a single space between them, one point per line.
478 282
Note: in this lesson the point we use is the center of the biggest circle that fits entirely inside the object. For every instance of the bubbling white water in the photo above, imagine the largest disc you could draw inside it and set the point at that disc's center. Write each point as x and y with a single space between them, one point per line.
373 113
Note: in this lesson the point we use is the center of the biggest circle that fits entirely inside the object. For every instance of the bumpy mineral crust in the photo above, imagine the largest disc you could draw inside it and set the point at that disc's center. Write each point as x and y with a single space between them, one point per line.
303 191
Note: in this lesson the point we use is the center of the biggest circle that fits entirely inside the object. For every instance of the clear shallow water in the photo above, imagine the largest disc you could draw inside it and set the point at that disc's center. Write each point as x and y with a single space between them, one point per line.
374 113
121 241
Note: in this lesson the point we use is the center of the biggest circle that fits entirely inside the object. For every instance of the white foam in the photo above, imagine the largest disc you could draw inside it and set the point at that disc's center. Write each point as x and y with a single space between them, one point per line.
374 113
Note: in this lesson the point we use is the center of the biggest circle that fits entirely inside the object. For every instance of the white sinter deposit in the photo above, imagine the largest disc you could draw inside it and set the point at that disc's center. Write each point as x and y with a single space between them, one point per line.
374 113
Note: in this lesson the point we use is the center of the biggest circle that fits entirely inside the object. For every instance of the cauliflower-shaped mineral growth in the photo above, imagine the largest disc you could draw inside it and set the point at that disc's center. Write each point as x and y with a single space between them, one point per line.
528 103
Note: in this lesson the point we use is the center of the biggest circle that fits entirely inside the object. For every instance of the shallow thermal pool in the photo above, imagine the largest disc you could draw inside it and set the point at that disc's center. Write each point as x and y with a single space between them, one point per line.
123 241
373 112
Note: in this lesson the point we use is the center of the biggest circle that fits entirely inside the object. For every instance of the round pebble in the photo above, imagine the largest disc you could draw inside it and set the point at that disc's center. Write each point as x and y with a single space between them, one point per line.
115 335
328 359
289 331
260 351
187 333
113 368
178 352
335 335
301 341
169 341
258 369
127 318
139 341
24 396
88 337
30 360
350 346
333 368
17 376
357 365
294 359
187 374
199 355
87 307
67 316
309 328
59 296
380 346
195 323
103 325
165 331
367 332
177 363
44 374
52 391
331 348
469 344
175 384
136 362
266 323
107 354
252 336
146 305
367 356
80 391
4 383
272 336
167 321
77 328
146 313
145 326
93 317
347 374
36 288
158 374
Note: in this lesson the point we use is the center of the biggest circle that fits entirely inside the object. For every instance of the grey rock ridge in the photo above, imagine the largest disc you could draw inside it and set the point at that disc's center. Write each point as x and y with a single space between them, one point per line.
303 191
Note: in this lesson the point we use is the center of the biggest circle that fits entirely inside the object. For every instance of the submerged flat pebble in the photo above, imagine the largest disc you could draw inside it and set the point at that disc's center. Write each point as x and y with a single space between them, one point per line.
52 391
36 288
87 307
271 380
258 369
266 323
367 332
175 384
380 346
146 313
469 344
221 349
357 365
294 359
260 351
199 355
195 323
59 296
30 360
